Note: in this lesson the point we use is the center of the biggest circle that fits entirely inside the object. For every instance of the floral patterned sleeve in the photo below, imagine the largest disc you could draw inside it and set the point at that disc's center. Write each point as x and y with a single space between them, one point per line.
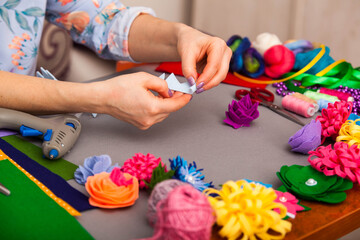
102 25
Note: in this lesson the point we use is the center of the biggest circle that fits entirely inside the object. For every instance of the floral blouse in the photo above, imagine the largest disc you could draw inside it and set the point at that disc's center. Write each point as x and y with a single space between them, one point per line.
101 25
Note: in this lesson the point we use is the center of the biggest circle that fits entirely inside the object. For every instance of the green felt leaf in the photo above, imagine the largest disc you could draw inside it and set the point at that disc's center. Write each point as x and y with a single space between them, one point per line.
306 208
332 197
158 175
283 180
346 184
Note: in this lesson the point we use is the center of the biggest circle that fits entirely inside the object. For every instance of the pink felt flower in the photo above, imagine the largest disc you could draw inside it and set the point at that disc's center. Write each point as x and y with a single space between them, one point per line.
289 201
141 167
343 160
241 113
118 177
333 117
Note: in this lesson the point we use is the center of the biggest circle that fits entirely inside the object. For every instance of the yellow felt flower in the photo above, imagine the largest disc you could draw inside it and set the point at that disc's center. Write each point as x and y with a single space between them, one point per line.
245 211
349 133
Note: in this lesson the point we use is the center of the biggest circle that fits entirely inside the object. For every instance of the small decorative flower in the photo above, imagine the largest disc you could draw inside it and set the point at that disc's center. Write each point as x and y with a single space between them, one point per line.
105 193
246 210
189 173
343 160
309 184
241 113
333 117
92 166
290 202
307 138
350 132
141 167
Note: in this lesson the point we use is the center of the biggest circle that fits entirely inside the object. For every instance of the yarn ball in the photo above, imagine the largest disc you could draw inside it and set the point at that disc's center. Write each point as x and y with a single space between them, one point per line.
104 193
350 133
307 138
160 192
343 160
246 210
141 167
93 165
189 173
241 113
238 46
185 214
303 59
254 65
278 61
264 41
333 117
299 46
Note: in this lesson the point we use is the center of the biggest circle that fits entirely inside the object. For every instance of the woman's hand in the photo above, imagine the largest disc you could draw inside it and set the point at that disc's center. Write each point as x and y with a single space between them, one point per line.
205 54
128 97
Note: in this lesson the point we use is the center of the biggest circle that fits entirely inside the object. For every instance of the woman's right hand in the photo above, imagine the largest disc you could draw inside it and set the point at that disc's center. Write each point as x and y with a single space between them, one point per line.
128 98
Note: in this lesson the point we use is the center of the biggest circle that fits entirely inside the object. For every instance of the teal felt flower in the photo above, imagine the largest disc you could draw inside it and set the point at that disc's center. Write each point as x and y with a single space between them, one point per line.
309 184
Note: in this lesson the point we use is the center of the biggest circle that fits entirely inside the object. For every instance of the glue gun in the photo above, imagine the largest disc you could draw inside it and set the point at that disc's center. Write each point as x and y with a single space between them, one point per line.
59 133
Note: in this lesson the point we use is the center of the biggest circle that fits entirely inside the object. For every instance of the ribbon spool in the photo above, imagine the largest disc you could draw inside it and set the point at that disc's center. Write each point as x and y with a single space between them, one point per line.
316 96
340 95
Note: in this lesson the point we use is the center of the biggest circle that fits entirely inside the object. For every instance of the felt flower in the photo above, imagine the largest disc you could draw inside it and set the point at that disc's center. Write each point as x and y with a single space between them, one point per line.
307 183
92 166
241 113
189 173
141 167
350 132
307 138
333 117
246 210
105 193
343 160
289 201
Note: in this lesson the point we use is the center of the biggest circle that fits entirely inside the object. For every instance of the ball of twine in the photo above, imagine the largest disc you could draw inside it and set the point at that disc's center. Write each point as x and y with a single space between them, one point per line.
159 193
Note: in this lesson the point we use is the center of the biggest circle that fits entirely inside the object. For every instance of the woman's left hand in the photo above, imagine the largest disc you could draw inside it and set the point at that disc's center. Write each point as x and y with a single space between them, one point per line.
205 54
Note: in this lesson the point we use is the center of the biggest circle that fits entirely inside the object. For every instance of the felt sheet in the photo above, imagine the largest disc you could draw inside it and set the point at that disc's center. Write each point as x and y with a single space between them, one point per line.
28 213
54 182
5 132
175 67
60 167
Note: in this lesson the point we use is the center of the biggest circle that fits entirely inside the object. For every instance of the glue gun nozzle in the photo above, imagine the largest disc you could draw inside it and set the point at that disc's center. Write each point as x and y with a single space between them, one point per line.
51 156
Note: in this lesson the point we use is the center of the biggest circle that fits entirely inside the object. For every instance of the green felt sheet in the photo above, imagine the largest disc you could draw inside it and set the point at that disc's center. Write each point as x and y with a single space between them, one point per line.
61 167
28 213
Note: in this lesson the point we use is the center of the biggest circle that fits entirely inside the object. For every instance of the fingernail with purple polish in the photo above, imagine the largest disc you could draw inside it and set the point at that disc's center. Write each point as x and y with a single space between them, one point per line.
191 81
170 93
200 90
200 85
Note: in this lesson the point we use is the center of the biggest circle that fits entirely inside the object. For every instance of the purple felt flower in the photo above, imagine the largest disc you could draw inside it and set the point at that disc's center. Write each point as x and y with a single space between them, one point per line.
241 112
307 138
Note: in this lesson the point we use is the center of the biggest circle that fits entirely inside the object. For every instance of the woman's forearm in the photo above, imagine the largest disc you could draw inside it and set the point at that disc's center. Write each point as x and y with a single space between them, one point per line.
44 96
152 39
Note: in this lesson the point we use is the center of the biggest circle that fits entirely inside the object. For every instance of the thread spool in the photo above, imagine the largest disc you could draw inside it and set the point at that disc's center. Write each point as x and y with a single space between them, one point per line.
159 193
340 95
303 97
184 214
323 104
316 96
298 106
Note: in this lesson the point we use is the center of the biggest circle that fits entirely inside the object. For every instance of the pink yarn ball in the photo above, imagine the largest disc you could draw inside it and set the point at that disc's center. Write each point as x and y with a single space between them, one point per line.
141 167
185 214
160 192
278 61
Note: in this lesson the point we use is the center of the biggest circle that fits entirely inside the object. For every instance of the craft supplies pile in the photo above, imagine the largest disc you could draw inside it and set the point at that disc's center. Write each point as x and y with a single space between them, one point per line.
182 204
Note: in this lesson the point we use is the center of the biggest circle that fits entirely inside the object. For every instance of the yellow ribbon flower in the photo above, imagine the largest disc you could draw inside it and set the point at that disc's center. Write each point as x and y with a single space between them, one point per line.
245 210
349 133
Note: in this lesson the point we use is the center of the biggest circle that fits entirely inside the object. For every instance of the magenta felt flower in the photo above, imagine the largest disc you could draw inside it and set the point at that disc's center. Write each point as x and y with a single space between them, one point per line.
241 113
307 138
343 160
141 167
290 202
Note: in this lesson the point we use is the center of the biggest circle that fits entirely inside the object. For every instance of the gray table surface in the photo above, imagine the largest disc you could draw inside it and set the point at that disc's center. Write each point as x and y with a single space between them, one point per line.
196 133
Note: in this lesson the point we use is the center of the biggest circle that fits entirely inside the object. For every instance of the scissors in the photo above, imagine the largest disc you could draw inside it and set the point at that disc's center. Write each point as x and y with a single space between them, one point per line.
266 98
